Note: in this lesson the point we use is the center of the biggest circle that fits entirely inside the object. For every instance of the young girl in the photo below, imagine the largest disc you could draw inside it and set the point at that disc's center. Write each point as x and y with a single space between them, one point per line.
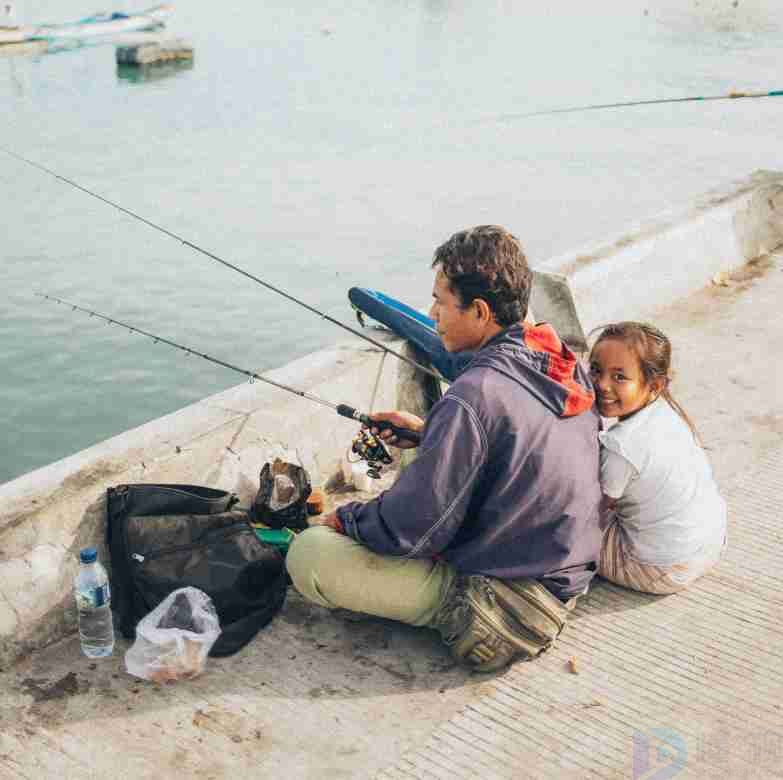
668 525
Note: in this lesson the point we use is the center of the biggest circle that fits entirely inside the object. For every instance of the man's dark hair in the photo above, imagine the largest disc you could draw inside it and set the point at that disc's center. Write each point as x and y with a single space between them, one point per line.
487 262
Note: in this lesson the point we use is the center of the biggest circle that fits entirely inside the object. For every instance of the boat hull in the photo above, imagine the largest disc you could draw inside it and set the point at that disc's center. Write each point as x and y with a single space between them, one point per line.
90 27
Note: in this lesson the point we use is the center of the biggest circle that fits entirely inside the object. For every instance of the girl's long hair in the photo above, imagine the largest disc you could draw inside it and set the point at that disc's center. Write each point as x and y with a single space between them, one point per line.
653 350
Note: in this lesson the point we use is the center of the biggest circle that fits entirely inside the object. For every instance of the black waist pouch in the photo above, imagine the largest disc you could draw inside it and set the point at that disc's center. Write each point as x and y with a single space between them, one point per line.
165 537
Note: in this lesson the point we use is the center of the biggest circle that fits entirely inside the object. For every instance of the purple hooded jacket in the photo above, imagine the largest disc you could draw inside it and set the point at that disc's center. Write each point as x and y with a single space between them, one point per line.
506 479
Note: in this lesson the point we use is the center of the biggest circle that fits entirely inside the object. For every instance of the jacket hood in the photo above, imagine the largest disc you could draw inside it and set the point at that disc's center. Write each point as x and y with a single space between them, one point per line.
536 358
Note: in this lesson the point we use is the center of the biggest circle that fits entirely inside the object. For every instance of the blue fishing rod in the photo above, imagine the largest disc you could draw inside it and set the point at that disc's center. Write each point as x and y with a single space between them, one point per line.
632 103
342 409
227 264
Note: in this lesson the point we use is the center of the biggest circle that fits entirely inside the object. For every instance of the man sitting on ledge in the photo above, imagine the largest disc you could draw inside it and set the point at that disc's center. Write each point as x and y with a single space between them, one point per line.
493 530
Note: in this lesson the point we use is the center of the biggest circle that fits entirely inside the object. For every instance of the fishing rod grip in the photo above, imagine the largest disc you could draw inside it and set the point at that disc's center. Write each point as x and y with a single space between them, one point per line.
381 425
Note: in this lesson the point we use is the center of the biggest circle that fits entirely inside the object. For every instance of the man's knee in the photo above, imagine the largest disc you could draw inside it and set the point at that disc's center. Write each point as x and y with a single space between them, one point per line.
303 555
311 559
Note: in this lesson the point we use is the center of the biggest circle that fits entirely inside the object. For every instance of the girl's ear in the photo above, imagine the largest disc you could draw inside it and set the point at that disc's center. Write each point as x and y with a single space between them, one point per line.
658 385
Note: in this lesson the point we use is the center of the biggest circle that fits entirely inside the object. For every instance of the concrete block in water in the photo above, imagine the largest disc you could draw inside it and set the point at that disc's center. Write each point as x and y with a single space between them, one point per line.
152 52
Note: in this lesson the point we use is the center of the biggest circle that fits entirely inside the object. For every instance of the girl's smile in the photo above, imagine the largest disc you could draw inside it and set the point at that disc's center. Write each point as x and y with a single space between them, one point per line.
621 388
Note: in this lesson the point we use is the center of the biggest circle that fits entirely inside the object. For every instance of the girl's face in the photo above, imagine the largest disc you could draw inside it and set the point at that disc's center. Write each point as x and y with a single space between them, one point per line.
619 383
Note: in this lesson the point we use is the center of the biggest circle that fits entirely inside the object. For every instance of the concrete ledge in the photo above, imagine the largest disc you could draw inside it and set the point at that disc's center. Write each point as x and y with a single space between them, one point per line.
668 257
224 440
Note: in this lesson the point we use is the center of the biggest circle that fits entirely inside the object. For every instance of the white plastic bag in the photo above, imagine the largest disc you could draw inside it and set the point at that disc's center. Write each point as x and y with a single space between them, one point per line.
172 641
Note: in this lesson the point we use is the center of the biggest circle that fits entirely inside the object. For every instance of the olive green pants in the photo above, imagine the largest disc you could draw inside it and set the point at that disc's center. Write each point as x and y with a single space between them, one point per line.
336 572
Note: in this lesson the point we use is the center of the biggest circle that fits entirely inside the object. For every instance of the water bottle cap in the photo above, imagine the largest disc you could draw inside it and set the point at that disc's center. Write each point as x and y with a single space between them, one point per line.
88 555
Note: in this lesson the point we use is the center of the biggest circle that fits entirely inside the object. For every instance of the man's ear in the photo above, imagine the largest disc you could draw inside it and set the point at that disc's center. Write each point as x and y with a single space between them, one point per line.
483 312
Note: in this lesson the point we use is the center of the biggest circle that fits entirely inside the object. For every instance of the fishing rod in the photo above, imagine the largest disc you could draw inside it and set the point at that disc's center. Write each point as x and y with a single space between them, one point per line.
575 109
220 260
342 409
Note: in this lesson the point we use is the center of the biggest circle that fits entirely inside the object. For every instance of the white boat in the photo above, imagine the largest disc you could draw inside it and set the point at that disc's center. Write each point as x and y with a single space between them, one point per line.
89 27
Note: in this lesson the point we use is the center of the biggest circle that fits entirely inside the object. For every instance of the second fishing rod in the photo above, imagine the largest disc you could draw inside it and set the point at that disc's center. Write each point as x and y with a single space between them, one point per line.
271 287
344 410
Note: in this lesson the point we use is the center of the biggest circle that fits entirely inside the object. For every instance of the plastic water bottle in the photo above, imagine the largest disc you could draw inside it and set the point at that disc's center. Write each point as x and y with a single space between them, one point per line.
93 600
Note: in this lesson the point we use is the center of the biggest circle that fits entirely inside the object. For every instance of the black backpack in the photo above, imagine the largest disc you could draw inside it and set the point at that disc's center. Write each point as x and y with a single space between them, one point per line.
165 537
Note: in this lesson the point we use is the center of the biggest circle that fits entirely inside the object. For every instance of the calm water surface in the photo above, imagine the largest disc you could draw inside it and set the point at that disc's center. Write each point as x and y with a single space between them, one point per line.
325 145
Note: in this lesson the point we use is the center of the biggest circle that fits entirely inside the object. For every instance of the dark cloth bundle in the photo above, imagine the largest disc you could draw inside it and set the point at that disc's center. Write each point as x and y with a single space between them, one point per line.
282 496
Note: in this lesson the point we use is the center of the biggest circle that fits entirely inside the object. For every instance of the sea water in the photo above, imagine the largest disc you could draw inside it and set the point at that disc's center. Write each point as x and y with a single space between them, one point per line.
325 145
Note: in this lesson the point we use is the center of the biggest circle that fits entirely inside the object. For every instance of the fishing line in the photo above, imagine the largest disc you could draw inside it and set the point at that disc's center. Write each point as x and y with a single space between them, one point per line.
654 102
220 260
342 409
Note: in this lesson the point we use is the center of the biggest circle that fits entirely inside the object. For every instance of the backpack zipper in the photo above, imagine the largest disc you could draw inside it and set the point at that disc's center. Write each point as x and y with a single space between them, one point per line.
193 545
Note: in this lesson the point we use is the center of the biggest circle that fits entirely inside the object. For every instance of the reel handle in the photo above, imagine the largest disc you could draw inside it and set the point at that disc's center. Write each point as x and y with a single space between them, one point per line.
382 425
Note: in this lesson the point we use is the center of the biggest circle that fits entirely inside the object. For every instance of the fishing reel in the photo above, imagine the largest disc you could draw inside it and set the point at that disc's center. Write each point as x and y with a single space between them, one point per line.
370 448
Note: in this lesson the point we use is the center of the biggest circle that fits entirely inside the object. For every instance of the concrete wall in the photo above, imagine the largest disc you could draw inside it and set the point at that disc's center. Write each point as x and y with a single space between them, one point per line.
665 258
223 441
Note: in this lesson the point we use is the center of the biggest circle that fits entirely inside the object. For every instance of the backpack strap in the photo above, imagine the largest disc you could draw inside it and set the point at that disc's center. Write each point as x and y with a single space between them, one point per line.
121 582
